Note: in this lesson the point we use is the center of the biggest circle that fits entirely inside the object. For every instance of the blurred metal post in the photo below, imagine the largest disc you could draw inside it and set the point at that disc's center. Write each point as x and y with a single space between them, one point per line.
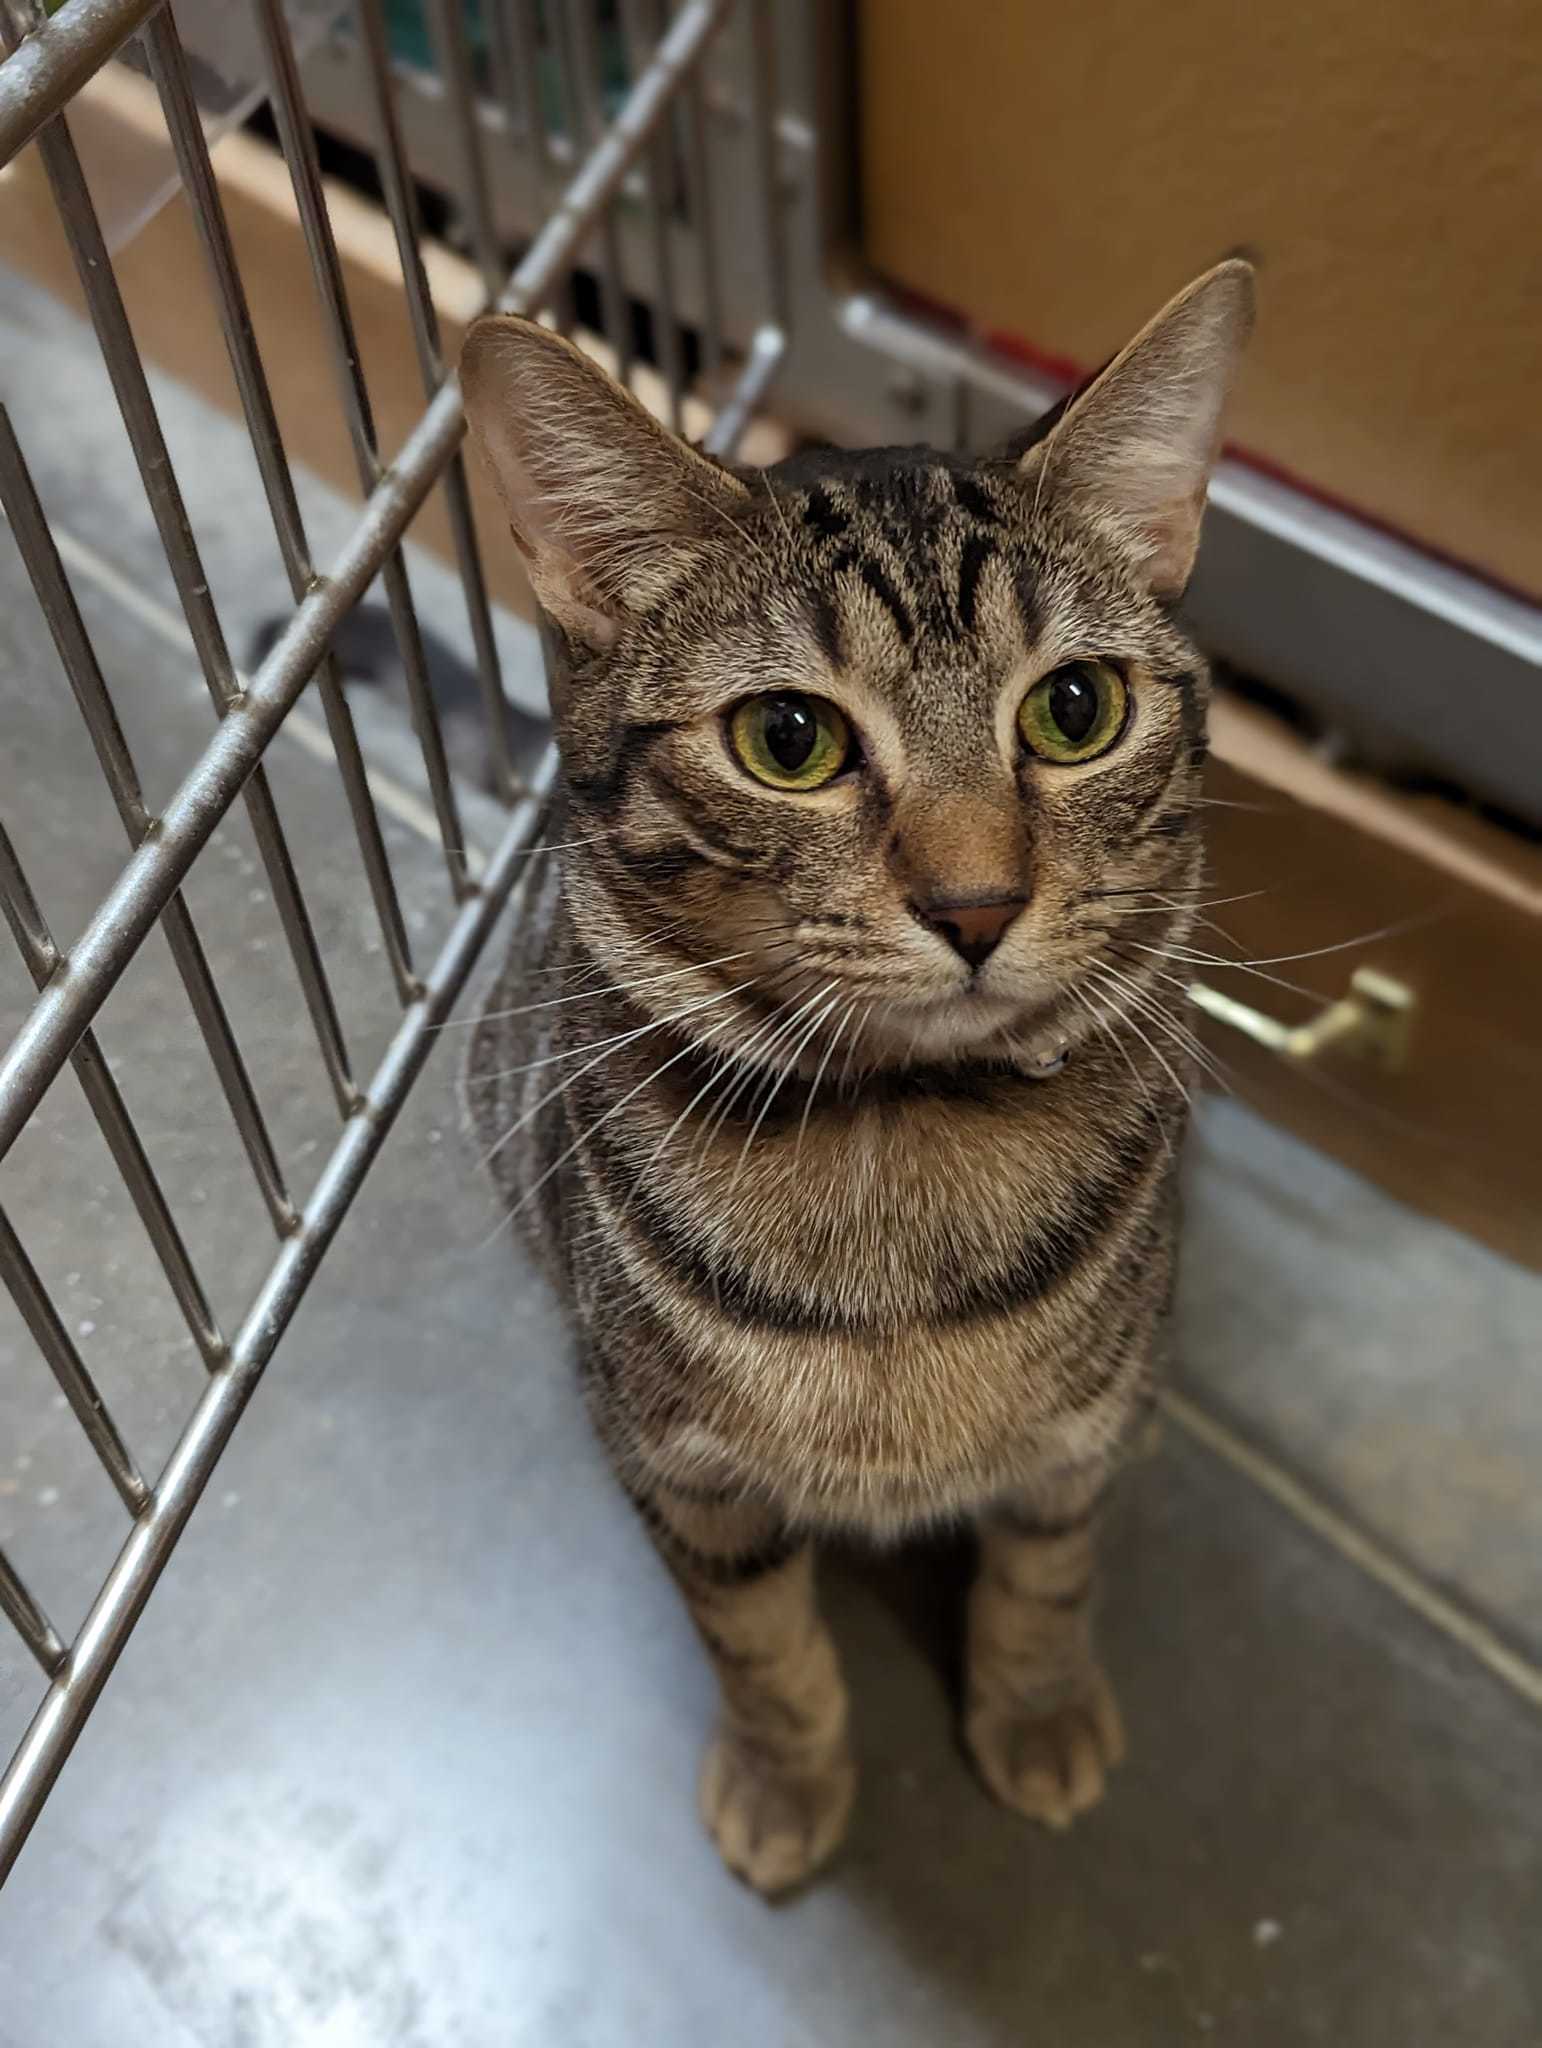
580 50
668 342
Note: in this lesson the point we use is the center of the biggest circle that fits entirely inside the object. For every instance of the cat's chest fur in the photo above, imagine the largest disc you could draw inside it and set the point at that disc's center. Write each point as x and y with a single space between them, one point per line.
887 1307
911 1293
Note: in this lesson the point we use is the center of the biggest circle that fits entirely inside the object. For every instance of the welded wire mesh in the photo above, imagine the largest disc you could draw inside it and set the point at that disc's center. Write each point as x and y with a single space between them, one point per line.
584 150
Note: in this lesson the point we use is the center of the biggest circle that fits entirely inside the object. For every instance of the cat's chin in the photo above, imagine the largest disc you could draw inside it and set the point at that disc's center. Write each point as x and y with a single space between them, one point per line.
961 1026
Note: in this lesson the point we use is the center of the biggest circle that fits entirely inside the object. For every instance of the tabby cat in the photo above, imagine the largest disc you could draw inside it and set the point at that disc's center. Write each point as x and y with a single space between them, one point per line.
837 1069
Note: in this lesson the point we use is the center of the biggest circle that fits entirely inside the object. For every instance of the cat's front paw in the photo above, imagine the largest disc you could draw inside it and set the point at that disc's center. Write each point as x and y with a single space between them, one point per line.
1048 1762
774 1826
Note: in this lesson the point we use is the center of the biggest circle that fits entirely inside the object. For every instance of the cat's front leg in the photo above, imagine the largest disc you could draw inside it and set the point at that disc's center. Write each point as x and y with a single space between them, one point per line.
778 1781
1040 1717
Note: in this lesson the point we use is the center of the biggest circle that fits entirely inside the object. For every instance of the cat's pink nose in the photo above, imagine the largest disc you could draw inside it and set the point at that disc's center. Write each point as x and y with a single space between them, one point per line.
973 930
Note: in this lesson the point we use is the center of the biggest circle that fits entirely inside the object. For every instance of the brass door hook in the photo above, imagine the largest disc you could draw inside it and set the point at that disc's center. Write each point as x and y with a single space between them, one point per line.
1373 1021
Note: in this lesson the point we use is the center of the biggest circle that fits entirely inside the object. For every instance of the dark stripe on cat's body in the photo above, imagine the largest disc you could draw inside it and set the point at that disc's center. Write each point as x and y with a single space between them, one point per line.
1119 1363
970 1081
876 577
1025 595
1192 712
1050 1252
1171 824
717 1569
825 620
978 549
704 824
824 517
1037 1529
971 499
662 866
631 744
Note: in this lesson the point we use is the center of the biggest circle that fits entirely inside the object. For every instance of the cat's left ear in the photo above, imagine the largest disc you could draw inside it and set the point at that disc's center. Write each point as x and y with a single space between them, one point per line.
1133 454
607 508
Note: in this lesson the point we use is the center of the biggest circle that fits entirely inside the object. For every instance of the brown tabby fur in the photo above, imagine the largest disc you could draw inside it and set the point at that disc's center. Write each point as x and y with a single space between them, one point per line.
842 1252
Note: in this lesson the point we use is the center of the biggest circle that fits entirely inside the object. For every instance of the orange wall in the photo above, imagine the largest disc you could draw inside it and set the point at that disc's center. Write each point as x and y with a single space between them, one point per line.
1055 172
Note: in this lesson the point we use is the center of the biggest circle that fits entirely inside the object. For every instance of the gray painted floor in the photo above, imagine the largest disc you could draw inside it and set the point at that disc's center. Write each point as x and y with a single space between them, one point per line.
403 1750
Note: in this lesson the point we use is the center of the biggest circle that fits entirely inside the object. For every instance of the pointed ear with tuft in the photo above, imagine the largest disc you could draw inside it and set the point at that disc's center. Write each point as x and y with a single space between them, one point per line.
1133 453
607 508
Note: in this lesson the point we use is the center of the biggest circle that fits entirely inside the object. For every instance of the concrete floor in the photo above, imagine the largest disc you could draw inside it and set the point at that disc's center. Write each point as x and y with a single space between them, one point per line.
403 1751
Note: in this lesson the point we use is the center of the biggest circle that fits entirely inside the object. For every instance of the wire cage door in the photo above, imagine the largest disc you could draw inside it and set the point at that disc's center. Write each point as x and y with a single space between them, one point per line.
597 135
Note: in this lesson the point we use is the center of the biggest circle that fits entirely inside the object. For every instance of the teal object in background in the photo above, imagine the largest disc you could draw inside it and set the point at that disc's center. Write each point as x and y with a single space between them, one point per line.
412 44
408 33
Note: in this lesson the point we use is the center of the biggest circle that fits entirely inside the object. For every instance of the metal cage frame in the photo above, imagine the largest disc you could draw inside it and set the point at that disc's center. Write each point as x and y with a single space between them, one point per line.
43 62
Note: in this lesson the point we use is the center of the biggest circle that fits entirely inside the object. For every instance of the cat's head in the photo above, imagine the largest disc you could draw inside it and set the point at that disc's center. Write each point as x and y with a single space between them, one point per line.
892 736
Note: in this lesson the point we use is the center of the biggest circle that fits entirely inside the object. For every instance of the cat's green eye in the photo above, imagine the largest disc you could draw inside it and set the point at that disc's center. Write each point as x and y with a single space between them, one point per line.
1074 713
790 741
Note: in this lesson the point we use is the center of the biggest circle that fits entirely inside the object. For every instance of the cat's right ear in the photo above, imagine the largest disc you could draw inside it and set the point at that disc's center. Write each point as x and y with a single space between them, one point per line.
608 509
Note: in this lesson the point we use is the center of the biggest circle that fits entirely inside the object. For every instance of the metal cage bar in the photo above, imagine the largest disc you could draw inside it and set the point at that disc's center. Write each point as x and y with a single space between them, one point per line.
72 986
42 957
299 146
25 1615
40 557
516 44
448 28
669 340
59 56
64 1361
401 205
698 190
580 59
131 387
169 68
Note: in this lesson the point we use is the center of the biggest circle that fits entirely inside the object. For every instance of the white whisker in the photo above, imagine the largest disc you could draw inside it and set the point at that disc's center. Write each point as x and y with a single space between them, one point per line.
1192 957
1128 1023
819 1073
1386 931
574 1052
723 1059
760 1044
605 1050
852 1048
604 1118
623 988
781 516
1161 1019
777 1085
1107 1027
